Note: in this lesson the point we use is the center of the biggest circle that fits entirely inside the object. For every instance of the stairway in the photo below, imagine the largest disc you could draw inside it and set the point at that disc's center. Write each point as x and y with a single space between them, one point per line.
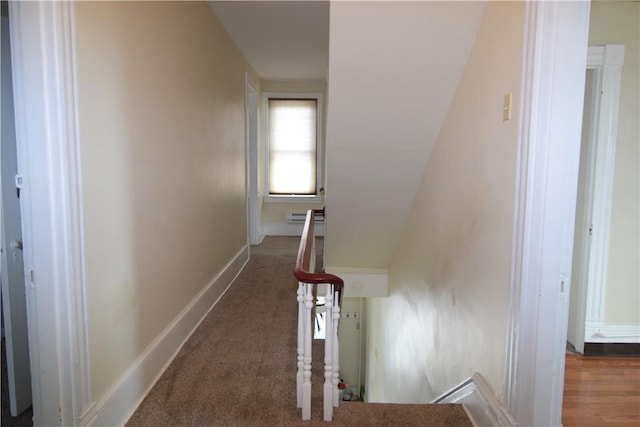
238 367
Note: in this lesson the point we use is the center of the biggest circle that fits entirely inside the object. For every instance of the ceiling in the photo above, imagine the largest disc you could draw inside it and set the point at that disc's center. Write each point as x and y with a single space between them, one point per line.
281 39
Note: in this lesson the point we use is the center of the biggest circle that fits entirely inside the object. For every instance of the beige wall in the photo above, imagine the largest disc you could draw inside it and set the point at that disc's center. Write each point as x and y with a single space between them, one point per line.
276 213
614 22
393 70
446 314
161 94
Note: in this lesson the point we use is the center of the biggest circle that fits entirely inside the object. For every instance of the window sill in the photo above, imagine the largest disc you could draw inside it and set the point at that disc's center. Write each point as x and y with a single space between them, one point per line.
294 199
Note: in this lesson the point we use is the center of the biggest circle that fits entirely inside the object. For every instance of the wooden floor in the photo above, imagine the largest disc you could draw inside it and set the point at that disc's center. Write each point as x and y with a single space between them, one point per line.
601 391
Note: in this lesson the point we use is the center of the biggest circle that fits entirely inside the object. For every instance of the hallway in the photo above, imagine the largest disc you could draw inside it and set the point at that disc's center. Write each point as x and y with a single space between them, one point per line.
238 368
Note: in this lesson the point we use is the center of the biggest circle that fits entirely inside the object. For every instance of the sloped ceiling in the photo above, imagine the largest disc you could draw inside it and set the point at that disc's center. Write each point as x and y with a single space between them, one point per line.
283 40
394 69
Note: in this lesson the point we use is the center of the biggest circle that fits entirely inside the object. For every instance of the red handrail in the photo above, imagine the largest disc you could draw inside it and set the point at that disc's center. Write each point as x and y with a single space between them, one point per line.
303 260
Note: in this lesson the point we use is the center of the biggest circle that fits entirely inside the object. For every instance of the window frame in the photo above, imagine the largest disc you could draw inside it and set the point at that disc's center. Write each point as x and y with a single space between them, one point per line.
293 198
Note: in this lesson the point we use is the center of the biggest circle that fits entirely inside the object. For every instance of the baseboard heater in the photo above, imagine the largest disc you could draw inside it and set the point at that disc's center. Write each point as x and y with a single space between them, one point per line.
301 217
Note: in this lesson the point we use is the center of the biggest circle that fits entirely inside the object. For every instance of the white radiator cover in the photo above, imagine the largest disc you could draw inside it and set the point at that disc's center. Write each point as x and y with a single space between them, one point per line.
300 218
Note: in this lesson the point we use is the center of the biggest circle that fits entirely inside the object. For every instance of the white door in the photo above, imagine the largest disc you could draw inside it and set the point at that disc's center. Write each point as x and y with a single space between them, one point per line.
253 194
584 218
13 290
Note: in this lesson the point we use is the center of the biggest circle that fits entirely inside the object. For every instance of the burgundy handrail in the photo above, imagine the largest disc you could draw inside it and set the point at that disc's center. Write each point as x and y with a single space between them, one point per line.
303 260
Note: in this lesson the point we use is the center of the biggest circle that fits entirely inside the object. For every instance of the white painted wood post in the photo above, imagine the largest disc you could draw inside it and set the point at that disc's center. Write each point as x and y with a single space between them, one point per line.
328 355
336 348
308 333
300 351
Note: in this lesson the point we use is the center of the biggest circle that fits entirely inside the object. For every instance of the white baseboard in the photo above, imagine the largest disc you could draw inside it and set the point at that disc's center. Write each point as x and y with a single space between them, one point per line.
286 229
479 402
122 400
600 332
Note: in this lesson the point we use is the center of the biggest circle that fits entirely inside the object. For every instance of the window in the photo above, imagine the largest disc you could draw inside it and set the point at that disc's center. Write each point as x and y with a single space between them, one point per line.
293 135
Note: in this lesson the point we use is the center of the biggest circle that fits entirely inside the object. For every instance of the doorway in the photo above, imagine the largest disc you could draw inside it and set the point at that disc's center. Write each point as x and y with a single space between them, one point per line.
595 192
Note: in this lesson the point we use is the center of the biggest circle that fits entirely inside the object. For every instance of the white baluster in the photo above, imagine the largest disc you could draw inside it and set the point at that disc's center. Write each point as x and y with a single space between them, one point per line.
308 333
328 355
312 261
336 350
300 351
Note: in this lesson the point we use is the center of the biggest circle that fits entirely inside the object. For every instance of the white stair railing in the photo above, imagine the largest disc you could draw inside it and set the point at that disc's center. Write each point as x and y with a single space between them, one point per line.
307 279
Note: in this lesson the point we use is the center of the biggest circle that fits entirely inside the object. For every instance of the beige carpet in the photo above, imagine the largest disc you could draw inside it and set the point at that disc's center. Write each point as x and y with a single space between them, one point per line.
238 368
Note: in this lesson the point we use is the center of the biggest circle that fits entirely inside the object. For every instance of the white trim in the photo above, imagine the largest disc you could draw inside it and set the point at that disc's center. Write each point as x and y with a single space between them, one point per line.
601 332
286 229
319 97
479 402
43 51
607 55
584 214
555 53
121 401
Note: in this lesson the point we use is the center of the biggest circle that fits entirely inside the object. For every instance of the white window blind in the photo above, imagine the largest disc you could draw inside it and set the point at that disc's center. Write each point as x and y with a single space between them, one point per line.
292 146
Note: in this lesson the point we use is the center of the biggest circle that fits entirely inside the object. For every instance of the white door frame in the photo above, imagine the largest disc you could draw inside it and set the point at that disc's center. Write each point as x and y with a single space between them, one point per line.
606 62
42 46
254 232
555 59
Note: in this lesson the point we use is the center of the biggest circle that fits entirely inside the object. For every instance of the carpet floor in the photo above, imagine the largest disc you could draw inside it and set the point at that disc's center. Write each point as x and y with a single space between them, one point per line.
238 367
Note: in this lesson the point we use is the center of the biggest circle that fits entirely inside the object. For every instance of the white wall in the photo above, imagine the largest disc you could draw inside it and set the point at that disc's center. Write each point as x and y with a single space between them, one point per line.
446 314
162 129
393 70
618 22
